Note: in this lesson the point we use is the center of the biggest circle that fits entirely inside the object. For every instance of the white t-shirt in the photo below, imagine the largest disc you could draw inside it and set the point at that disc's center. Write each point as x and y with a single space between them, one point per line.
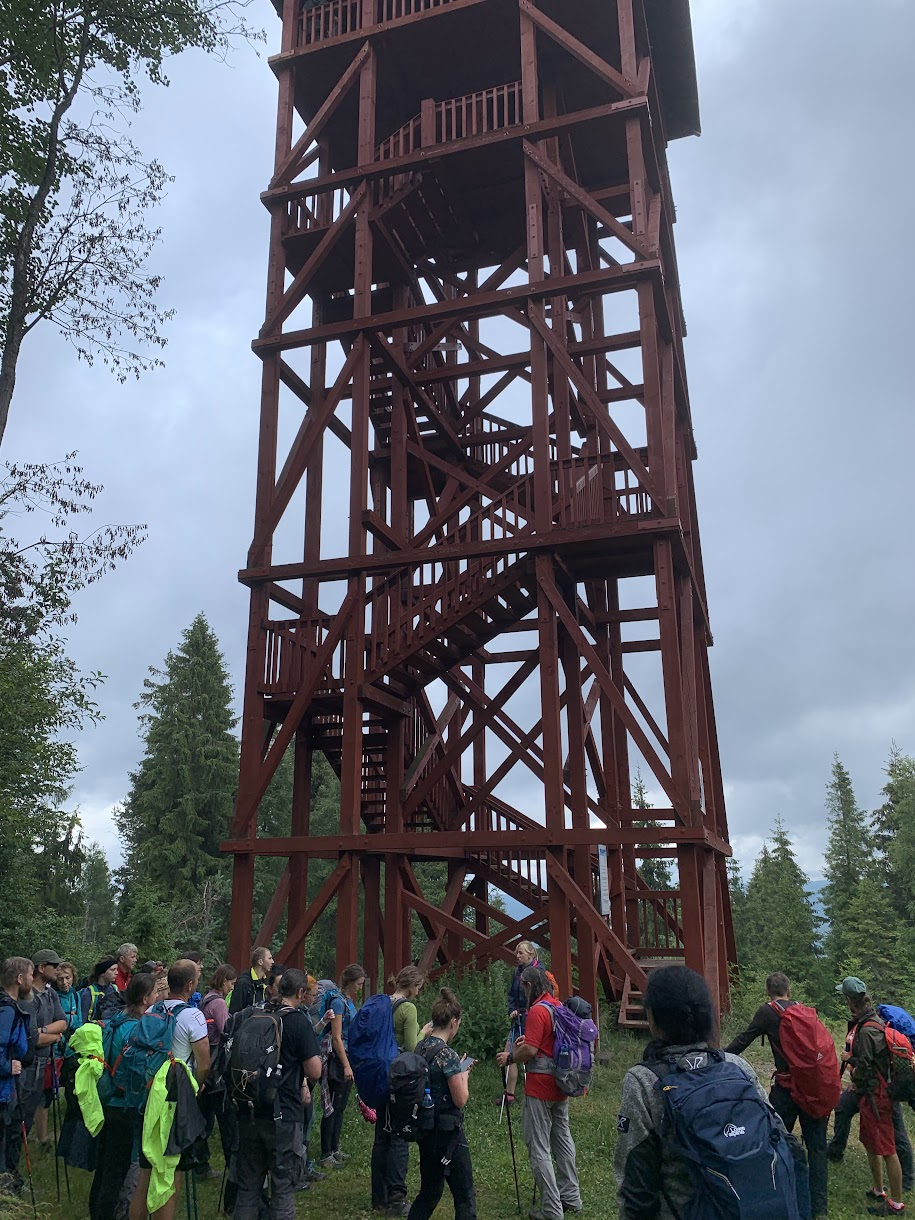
190 1027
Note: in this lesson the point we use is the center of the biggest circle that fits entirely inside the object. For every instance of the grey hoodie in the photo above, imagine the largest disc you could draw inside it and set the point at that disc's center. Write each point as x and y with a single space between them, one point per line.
646 1177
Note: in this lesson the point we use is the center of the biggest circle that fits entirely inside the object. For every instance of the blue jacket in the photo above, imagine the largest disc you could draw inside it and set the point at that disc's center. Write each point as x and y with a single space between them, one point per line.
14 1042
517 1000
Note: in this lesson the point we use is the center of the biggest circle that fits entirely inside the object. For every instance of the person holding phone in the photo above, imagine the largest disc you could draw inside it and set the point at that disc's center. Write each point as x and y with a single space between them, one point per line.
444 1151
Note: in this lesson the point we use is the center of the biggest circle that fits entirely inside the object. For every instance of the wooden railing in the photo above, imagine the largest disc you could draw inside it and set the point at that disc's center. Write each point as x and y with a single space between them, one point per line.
473 114
660 924
335 19
477 113
410 611
291 649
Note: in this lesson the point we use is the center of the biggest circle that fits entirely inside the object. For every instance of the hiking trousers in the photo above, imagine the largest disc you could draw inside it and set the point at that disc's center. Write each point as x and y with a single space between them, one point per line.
114 1151
814 1132
433 1175
266 1145
332 1124
846 1110
390 1160
548 1139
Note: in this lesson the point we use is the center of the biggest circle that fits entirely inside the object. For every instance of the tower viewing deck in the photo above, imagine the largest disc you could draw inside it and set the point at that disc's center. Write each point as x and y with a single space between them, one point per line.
475 573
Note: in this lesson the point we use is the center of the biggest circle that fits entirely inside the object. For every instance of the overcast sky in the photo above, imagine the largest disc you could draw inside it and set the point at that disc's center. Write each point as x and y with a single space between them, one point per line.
795 251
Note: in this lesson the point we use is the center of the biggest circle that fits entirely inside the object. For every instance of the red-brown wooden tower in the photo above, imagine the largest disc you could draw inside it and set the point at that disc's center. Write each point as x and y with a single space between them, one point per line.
475 574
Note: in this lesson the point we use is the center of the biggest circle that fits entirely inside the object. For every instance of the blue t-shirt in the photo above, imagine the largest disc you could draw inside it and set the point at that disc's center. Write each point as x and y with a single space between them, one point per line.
343 1007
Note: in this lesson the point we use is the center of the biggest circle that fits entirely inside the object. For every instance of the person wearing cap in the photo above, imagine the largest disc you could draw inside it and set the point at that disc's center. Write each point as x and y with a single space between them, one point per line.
847 1108
867 1057
47 1023
101 983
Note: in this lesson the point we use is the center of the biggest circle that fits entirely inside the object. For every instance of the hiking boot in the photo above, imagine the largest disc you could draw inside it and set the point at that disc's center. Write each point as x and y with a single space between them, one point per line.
340 1157
393 1209
328 1162
886 1208
870 1193
314 1173
303 1185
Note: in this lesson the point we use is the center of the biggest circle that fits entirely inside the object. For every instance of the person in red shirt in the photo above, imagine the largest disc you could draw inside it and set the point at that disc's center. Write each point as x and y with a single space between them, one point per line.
546 1107
127 959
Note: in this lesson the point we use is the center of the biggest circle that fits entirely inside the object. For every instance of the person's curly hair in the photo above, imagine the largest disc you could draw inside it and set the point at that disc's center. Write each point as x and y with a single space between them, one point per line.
680 1005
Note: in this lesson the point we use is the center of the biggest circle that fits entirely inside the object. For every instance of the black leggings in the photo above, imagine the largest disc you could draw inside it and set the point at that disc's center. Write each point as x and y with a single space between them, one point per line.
114 1151
332 1124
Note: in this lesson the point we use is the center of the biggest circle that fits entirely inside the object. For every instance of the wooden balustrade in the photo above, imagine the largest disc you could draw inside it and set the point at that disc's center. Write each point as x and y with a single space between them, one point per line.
336 18
660 923
291 649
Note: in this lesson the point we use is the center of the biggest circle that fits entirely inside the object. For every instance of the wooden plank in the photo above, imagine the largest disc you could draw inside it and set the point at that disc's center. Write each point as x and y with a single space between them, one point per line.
625 88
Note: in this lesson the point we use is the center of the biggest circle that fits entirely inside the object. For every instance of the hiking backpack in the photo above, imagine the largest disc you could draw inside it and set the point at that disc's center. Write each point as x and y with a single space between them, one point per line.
898 1018
255 1066
372 1048
572 1062
901 1084
146 1049
813 1081
112 1082
737 1152
408 1079
103 1005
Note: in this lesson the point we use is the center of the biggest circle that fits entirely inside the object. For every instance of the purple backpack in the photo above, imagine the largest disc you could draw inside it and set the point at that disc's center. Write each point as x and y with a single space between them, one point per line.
573 1049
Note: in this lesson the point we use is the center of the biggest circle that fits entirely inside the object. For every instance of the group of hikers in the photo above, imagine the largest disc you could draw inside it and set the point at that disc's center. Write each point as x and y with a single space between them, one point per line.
697 1136
150 1065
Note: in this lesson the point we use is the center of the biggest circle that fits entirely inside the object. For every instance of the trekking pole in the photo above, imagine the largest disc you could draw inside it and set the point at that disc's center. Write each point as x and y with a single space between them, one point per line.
194 1192
511 1133
54 1123
511 1047
60 1123
187 1191
222 1186
25 1145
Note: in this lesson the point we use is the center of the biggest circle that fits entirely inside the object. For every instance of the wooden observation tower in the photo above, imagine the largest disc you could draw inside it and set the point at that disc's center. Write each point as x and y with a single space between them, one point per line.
476 581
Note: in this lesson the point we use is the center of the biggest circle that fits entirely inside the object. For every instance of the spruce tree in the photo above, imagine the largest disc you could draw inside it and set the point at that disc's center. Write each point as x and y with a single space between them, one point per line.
96 892
738 890
894 830
878 948
178 809
782 926
849 859
657 874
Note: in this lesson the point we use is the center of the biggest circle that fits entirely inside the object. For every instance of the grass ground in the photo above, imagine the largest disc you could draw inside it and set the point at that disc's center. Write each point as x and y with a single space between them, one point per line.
345 1194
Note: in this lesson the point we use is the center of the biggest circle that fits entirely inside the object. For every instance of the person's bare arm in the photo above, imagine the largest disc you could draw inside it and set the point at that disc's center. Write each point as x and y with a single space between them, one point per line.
51 1033
336 1037
522 1053
201 1049
459 1087
312 1068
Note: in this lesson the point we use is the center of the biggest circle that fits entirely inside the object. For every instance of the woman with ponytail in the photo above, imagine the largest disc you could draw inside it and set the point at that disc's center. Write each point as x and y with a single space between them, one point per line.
444 1149
390 1154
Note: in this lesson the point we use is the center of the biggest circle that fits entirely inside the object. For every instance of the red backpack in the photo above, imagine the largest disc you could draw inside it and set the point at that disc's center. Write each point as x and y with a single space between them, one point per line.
901 1084
813 1081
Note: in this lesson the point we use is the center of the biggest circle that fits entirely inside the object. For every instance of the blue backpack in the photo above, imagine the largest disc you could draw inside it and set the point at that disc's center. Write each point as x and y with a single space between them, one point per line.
898 1018
147 1048
372 1049
739 1157
111 1083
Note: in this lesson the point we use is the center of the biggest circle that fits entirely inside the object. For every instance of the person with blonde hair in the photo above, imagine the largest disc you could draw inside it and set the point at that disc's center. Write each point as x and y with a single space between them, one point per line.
525 955
390 1154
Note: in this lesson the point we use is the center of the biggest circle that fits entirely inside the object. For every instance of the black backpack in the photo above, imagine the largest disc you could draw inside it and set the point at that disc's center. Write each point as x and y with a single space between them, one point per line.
408 1080
254 1058
219 1075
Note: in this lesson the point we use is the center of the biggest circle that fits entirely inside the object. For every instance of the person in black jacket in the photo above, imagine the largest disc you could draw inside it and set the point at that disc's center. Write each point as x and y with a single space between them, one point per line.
251 987
766 1024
